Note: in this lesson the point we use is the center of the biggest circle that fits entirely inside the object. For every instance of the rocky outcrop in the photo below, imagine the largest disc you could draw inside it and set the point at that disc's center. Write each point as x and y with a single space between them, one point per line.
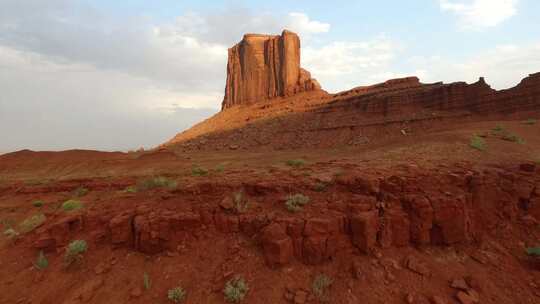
263 67
363 115
417 208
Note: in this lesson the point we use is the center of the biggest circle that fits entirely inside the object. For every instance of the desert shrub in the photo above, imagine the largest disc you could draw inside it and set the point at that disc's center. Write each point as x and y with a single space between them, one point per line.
199 171
241 204
498 129
74 252
41 261
156 182
11 234
295 163
235 290
177 294
320 287
533 251
130 189
320 187
478 143
32 223
80 192
507 135
71 205
530 122
220 168
296 202
513 138
37 203
146 281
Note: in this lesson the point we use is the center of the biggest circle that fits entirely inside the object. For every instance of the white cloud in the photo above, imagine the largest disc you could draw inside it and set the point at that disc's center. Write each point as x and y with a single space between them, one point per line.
300 23
480 14
50 105
218 28
502 66
345 64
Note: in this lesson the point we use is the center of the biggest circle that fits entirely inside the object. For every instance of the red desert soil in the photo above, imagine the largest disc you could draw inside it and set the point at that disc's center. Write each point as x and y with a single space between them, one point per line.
402 209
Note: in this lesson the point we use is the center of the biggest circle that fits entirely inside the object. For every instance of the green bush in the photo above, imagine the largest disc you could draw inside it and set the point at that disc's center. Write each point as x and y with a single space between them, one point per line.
478 143
220 168
507 135
80 192
320 287
499 129
296 202
37 203
156 182
146 281
177 294
41 261
533 251
199 171
296 163
130 189
72 204
32 223
74 251
235 290
320 187
513 138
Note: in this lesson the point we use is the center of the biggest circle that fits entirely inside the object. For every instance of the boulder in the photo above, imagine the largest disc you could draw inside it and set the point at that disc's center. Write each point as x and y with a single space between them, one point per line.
277 245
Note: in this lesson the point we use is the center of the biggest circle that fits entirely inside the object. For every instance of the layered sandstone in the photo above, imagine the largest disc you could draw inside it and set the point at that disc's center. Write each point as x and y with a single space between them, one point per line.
362 115
262 67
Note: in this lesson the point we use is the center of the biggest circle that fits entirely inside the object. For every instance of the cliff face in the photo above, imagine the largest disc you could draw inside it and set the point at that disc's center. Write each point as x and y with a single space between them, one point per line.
263 67
362 115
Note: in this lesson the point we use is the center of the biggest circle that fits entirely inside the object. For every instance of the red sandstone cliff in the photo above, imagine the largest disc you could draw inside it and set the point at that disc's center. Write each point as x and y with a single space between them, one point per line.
262 67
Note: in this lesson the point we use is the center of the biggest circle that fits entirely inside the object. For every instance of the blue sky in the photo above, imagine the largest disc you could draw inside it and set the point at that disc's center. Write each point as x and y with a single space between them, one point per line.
115 75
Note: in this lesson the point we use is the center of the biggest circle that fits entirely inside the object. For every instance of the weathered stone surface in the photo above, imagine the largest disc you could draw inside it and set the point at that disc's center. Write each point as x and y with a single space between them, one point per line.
421 218
120 227
277 245
364 227
262 67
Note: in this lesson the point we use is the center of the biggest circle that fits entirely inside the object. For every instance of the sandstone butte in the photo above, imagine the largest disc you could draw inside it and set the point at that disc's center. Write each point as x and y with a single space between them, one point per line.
262 67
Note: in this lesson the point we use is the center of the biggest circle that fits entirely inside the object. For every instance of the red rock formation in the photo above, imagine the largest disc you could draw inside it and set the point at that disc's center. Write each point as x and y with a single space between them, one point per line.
361 115
420 208
262 67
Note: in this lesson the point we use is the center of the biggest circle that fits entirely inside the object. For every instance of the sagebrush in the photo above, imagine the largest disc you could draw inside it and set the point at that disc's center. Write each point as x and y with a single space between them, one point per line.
296 202
155 182
72 205
32 223
176 295
320 287
235 290
74 252
41 261
478 143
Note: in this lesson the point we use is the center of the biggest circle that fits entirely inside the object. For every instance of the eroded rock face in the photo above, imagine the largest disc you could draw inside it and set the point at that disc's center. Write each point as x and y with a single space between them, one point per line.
263 67
416 208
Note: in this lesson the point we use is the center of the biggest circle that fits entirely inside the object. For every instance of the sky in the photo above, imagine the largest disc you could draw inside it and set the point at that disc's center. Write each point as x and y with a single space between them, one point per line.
124 74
